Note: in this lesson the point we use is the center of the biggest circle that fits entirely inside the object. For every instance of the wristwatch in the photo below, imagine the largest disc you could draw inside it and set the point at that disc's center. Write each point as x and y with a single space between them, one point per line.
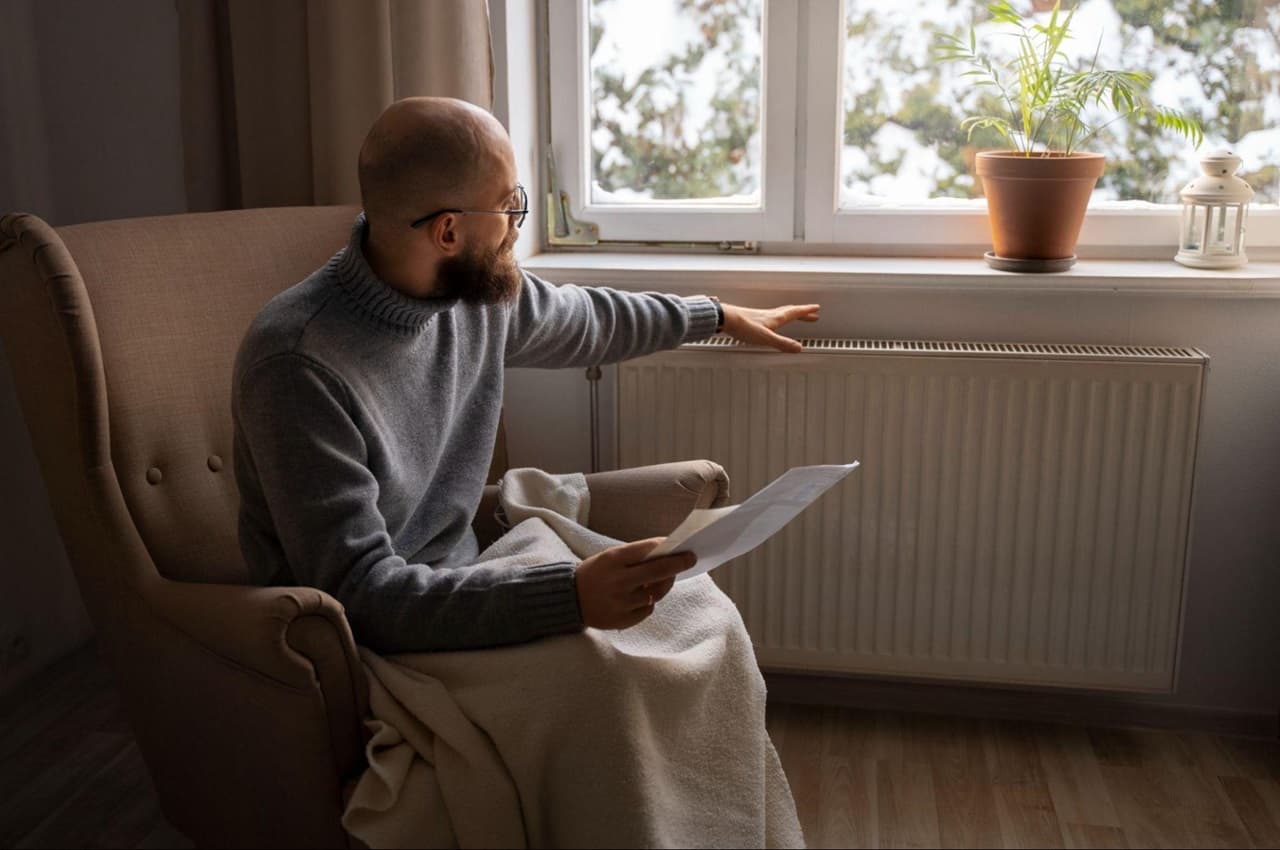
719 313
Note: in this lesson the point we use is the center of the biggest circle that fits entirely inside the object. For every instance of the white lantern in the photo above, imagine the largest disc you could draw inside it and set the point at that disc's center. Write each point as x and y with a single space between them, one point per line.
1213 214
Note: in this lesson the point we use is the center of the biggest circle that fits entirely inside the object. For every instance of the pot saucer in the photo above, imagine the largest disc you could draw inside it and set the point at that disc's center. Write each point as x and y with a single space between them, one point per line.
1007 264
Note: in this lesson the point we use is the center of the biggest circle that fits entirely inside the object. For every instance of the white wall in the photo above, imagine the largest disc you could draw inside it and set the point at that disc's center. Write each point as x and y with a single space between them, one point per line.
1231 641
93 88
515 104
89 129
41 616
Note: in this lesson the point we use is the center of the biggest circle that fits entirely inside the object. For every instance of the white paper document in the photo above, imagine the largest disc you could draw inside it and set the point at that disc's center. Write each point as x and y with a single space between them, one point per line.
717 535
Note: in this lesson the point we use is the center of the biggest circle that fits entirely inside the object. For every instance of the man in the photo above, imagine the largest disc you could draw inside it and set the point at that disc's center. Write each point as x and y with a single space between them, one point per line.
366 399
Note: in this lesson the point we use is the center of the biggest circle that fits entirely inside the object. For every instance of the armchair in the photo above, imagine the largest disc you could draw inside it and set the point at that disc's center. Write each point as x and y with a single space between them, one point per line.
247 702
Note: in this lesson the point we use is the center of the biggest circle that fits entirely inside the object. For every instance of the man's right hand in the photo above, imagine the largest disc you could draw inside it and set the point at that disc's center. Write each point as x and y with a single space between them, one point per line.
618 588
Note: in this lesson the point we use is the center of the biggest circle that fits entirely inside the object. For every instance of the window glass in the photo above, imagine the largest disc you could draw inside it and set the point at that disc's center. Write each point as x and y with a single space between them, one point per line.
675 95
1219 62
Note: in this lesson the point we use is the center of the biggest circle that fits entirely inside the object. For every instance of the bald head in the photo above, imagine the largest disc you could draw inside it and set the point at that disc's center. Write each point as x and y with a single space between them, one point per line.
428 153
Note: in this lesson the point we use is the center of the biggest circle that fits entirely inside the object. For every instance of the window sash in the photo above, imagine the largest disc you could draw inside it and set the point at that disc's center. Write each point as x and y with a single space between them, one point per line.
1107 225
774 219
808 173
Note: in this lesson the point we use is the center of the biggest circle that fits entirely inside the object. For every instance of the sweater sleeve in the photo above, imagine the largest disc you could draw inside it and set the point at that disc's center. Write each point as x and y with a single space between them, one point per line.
299 449
566 326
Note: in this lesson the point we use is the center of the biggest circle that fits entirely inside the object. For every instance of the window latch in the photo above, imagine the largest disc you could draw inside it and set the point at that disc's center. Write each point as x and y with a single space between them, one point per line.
562 227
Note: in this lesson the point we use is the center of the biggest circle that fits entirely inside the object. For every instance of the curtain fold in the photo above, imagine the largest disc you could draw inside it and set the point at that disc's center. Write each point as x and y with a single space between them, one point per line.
299 82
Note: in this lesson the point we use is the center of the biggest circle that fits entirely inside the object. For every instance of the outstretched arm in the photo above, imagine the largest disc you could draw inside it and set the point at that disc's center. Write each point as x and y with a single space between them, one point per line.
565 326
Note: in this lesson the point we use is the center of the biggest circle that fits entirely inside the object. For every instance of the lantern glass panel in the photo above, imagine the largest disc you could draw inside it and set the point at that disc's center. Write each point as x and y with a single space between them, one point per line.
1222 231
1192 226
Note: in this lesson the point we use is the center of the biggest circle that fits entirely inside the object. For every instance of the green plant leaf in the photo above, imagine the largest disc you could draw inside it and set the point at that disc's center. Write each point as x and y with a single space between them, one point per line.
987 122
1047 99
1170 119
1002 12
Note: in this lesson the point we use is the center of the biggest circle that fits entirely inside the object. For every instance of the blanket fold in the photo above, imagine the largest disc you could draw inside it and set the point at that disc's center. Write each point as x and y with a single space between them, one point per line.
653 736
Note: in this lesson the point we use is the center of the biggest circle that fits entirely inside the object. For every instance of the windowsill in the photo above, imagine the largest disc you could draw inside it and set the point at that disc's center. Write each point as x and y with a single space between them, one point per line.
689 272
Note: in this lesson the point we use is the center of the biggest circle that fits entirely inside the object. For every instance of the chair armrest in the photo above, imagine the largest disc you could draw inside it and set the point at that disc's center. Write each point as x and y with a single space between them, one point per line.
297 636
650 501
247 624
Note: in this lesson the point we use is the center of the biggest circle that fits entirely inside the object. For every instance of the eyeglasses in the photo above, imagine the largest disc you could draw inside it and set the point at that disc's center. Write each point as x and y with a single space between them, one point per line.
520 213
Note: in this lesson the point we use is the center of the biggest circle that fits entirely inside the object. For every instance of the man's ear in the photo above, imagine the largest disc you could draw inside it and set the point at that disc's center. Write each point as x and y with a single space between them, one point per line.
444 232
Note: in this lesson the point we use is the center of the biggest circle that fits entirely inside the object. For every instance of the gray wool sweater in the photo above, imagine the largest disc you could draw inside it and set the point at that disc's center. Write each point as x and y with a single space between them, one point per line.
364 425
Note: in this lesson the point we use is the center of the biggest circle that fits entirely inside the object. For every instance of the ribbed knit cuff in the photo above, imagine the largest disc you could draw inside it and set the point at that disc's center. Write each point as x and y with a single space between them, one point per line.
702 318
549 599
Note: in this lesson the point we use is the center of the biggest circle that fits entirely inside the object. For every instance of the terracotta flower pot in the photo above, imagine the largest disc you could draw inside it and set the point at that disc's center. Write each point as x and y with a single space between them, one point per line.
1036 203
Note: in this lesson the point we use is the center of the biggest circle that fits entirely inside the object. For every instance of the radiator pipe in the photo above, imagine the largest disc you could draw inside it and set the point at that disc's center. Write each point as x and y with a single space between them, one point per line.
593 382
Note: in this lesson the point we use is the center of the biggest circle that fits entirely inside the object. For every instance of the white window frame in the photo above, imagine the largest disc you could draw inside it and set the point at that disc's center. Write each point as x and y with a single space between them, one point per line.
1113 229
1108 226
774 219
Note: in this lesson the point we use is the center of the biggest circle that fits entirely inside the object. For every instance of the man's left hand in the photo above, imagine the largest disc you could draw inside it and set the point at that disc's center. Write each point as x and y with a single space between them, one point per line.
757 327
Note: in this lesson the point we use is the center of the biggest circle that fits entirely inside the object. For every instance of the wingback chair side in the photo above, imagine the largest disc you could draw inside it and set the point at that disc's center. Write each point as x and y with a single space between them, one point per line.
247 702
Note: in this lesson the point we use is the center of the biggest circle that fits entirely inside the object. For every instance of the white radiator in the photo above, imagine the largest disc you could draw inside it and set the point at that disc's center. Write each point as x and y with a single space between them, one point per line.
1021 514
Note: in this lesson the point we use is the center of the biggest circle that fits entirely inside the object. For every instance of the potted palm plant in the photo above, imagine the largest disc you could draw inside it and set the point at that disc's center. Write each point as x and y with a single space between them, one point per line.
1037 190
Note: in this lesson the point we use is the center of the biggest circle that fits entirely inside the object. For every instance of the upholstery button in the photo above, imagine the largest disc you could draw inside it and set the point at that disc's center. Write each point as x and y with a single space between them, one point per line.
154 475
215 463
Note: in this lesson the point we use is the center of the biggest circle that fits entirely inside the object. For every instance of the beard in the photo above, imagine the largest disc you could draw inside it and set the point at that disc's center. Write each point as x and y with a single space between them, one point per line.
481 276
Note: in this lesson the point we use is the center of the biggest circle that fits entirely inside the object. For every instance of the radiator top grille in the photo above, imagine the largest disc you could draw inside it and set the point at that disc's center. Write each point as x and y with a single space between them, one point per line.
1147 353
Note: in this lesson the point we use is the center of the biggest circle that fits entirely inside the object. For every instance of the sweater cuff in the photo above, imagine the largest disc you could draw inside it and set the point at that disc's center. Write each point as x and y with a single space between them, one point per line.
702 318
549 599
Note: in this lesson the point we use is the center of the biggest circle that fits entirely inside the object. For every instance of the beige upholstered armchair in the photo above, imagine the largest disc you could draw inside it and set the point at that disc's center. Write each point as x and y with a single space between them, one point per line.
247 702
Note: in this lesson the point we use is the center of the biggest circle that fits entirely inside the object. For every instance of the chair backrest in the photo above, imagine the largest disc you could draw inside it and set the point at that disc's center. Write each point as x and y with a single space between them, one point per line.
122 336
168 300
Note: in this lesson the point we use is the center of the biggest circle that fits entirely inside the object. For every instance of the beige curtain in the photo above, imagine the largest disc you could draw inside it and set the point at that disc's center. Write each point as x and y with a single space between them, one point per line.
277 96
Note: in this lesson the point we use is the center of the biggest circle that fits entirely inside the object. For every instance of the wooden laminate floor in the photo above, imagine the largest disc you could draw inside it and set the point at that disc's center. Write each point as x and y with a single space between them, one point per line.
71 776
871 779
70 772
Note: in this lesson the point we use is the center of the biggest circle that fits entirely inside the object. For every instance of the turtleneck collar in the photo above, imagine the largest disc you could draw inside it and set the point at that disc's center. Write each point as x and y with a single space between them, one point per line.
371 297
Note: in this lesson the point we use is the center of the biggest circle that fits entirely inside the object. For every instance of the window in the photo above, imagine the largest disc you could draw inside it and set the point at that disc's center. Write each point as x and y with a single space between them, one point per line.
677 119
675 116
674 120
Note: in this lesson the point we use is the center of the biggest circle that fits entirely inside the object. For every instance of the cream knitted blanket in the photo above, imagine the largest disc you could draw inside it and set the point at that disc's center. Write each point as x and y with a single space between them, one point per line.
649 737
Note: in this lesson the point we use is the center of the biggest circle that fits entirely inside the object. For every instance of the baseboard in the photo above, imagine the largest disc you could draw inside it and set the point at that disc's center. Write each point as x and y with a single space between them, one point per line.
1052 706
